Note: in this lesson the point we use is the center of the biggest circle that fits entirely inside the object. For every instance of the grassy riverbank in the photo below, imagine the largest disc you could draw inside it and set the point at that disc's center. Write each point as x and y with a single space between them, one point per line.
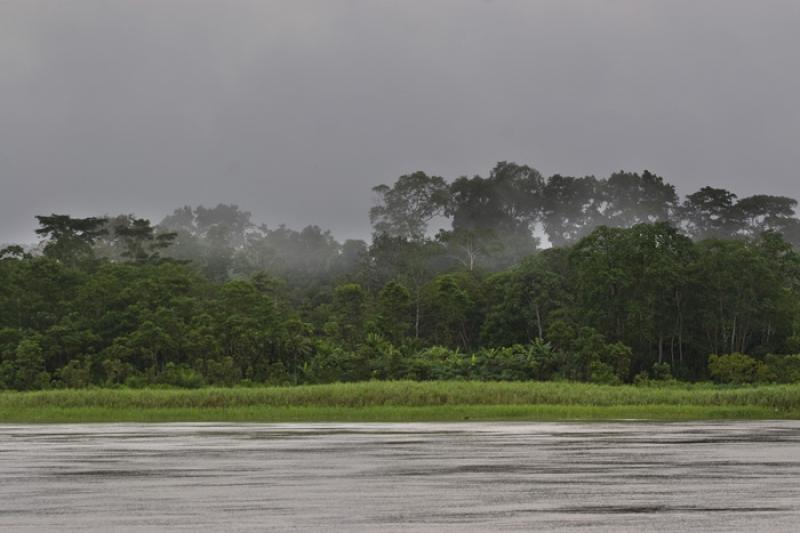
404 401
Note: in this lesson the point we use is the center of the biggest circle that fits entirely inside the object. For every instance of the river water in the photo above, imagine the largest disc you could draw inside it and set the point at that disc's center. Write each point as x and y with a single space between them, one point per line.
630 476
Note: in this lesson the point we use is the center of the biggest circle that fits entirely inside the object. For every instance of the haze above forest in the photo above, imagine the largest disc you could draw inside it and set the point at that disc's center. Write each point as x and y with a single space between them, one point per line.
294 110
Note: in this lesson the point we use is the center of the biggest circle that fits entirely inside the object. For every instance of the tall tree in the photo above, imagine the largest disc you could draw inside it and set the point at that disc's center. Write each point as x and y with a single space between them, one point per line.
524 299
508 201
572 208
209 237
395 312
139 240
763 212
633 199
70 240
709 213
405 209
631 285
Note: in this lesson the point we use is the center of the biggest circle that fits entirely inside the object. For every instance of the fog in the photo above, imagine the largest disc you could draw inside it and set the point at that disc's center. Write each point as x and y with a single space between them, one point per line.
294 110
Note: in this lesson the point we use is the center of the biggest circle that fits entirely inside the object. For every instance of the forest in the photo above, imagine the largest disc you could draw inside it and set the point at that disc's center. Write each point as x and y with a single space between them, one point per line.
508 277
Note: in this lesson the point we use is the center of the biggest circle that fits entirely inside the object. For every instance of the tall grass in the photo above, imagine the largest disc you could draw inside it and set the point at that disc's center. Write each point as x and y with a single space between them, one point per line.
782 400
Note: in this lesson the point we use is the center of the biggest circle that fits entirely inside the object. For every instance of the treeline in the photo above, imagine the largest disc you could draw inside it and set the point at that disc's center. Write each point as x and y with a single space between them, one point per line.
516 201
638 287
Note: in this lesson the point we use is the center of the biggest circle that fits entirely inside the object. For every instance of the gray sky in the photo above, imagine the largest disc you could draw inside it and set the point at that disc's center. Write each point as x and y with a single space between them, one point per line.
294 109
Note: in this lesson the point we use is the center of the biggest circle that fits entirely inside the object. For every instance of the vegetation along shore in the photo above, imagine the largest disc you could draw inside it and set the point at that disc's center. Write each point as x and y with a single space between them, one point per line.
545 298
406 401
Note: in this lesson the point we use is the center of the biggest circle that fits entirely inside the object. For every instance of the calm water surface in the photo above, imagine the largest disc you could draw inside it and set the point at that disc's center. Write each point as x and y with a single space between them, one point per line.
739 476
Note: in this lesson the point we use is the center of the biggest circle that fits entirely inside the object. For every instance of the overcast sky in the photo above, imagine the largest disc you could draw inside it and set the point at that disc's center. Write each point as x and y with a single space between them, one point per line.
293 110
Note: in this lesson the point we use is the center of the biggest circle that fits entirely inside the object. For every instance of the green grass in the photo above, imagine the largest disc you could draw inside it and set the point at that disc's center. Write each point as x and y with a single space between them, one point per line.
405 401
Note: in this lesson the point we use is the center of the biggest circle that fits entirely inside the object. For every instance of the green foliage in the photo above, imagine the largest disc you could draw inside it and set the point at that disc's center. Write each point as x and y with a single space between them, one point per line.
735 368
783 368
348 323
25 369
334 363
70 240
139 240
180 376
222 371
395 313
405 209
208 297
662 372
76 374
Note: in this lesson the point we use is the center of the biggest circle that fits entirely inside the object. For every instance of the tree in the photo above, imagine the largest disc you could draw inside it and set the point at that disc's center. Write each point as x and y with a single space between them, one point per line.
309 253
601 280
405 209
709 213
353 255
298 344
735 285
468 246
524 299
412 263
508 201
636 199
762 213
658 259
208 237
70 240
453 303
139 240
349 313
13 252
27 370
224 224
632 287
572 208
395 312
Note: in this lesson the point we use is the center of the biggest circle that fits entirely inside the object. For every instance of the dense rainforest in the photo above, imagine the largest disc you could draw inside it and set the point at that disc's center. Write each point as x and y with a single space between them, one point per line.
512 276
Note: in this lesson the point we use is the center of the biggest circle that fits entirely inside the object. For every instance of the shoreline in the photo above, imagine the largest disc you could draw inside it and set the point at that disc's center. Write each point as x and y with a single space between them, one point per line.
465 413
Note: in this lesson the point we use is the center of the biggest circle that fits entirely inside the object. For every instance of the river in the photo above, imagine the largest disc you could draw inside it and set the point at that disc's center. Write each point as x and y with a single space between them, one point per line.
626 476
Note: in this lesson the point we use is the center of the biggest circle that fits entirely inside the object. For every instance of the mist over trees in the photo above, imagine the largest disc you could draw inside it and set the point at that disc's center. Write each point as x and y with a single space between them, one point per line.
457 282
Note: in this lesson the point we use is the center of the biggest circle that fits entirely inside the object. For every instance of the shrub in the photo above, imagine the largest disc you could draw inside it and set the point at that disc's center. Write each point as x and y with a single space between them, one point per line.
783 368
603 374
436 363
77 374
736 368
26 371
181 376
662 371
222 371
332 362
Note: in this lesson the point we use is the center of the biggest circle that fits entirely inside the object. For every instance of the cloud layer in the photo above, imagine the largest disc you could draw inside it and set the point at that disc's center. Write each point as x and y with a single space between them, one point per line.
294 110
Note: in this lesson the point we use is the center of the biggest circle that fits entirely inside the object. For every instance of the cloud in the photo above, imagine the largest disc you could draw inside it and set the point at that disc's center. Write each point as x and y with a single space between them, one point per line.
294 110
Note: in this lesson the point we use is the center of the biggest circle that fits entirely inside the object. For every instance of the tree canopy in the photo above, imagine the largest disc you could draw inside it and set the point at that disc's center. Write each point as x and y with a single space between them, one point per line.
636 285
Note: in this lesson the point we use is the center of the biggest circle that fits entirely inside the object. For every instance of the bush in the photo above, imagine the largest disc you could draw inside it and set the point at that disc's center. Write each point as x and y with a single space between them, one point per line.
437 363
662 371
332 362
603 374
617 357
25 369
783 368
736 368
181 376
77 374
222 371
116 372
